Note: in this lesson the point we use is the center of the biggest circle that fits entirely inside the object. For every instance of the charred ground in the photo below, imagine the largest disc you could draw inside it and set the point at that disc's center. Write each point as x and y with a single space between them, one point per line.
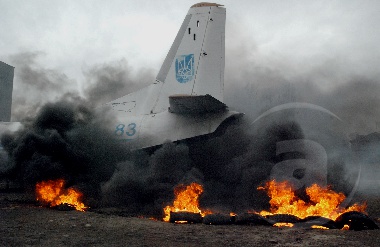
25 224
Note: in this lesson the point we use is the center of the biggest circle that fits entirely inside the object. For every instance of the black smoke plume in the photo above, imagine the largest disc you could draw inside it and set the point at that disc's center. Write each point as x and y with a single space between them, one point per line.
69 139
109 81
35 86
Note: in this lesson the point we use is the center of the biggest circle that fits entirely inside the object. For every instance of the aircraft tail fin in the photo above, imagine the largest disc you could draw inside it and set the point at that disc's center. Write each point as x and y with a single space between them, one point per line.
194 65
6 88
195 62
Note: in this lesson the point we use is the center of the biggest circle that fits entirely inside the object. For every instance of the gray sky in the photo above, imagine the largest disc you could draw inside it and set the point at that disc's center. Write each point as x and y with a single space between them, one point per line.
328 41
75 34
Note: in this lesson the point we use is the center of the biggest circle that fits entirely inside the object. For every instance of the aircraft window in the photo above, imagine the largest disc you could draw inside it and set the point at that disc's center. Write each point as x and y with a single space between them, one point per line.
189 30
197 23
194 36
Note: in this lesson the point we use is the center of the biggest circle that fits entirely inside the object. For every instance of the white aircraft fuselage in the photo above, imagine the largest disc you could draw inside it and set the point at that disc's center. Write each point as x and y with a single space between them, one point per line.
186 99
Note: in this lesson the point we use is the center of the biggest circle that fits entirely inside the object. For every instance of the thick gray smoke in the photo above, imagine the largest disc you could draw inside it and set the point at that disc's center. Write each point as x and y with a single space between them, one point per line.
35 86
367 149
65 140
107 82
69 139
230 167
352 96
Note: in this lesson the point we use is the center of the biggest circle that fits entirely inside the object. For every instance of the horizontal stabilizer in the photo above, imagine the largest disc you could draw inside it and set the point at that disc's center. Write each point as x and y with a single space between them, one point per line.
190 104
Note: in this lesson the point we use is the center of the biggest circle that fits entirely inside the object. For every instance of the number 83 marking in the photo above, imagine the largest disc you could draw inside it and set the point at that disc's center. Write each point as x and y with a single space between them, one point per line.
130 130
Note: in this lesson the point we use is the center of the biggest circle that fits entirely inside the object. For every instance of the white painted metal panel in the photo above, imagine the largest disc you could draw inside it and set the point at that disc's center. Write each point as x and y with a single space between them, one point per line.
192 71
137 103
156 129
182 71
210 73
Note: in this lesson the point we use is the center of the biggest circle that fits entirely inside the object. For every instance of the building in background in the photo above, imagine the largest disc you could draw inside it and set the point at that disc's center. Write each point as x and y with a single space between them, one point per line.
6 88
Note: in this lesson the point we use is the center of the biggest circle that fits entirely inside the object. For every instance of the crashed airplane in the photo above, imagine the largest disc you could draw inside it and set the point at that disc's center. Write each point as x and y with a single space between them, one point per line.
186 99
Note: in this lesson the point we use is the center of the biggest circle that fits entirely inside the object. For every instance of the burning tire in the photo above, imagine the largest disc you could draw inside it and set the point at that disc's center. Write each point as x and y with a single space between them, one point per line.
218 219
251 219
282 218
185 217
356 221
318 221
64 207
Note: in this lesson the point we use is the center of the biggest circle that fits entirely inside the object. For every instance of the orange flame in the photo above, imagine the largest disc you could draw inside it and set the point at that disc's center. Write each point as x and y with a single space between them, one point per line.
319 227
186 200
323 201
283 224
346 227
52 193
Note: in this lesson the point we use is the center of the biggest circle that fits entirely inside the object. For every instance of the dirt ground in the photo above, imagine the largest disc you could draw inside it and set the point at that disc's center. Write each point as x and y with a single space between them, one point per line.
25 224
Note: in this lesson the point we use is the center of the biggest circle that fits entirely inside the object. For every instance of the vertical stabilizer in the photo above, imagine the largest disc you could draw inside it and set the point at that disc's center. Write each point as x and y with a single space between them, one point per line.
195 62
6 88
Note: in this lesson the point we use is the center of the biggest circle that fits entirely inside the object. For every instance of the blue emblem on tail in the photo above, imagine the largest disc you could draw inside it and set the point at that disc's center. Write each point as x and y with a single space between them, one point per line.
184 68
